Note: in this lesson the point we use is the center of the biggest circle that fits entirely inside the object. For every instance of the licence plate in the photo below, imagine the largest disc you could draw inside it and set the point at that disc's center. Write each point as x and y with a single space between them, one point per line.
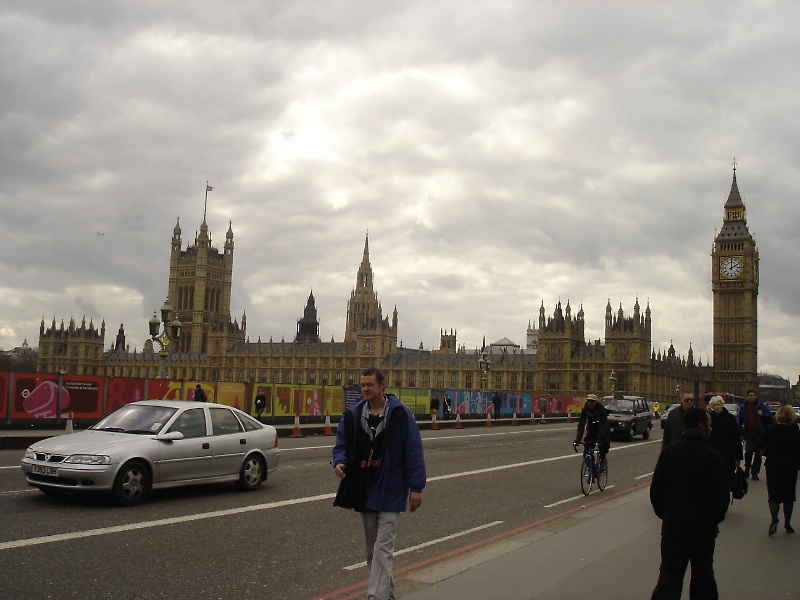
40 470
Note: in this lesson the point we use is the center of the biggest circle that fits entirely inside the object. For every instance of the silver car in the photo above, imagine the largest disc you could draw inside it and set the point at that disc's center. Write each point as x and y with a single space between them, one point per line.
155 444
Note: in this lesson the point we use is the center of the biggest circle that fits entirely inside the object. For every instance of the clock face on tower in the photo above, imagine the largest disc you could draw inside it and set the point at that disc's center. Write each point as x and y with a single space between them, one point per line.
730 267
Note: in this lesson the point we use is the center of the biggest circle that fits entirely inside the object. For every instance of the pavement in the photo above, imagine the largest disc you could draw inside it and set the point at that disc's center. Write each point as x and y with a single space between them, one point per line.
609 548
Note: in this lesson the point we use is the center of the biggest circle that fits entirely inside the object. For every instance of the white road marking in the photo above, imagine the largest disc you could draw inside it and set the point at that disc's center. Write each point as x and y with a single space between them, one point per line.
11 467
448 437
47 539
608 487
430 543
645 475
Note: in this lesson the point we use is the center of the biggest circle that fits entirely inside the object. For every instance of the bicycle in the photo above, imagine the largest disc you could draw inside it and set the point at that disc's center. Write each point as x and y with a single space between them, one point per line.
592 469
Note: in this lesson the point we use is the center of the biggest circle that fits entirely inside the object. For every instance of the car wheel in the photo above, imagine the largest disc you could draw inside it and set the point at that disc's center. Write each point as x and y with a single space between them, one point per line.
252 473
132 484
631 433
646 433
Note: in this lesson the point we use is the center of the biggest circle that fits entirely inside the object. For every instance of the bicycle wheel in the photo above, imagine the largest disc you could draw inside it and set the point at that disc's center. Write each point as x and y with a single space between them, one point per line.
602 474
586 475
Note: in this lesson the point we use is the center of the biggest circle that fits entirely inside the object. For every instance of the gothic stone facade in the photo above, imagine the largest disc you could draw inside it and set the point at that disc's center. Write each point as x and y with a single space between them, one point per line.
214 346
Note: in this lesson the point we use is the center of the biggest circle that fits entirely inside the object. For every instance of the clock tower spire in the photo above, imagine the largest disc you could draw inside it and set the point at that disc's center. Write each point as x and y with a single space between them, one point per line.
734 284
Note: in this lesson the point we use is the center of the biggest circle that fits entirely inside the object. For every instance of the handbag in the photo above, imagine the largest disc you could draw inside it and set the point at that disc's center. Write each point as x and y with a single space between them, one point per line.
739 484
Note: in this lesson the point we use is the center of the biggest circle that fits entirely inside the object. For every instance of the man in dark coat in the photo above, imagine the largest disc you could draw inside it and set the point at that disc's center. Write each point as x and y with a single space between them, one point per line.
674 423
689 493
497 402
199 394
379 460
754 419
594 419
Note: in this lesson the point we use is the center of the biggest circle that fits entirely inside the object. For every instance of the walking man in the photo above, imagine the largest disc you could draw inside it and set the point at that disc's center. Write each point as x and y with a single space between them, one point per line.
497 402
379 460
689 493
755 417
674 423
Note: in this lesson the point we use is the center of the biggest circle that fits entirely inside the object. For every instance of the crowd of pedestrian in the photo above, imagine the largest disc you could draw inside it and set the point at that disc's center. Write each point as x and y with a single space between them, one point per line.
698 471
379 460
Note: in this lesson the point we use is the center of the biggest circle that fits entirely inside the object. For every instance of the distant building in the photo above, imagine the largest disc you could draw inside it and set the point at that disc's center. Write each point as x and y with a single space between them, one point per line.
774 388
557 359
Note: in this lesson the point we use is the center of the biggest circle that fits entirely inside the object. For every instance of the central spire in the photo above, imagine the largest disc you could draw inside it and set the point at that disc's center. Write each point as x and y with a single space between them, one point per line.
365 270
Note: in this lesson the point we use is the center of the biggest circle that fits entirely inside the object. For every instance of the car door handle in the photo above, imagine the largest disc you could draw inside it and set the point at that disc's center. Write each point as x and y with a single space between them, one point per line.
243 441
206 446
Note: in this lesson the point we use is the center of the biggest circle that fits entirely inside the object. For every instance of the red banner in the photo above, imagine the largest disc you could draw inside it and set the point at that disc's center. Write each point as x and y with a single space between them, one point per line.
121 391
40 397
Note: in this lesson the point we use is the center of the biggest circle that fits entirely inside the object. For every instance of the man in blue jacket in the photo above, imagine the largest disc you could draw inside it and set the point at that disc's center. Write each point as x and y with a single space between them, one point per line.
379 460
755 417
689 493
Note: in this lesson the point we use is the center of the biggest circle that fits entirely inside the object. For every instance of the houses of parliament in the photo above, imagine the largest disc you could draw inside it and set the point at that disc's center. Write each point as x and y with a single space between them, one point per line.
557 359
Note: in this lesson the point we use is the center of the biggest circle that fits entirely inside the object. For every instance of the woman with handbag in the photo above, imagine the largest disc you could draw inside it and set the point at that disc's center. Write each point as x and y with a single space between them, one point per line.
781 446
725 436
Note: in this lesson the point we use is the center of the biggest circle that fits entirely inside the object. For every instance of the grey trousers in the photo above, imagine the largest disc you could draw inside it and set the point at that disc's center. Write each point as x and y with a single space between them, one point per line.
380 532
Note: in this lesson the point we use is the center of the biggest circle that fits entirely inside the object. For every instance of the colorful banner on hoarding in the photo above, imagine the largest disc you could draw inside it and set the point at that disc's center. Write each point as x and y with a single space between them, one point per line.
228 393
121 391
166 389
40 397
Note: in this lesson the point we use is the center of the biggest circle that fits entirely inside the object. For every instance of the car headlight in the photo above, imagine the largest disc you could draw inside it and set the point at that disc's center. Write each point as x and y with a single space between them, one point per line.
29 453
88 459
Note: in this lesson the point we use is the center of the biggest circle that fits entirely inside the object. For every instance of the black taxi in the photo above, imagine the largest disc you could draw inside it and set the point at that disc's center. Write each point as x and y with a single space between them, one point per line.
629 415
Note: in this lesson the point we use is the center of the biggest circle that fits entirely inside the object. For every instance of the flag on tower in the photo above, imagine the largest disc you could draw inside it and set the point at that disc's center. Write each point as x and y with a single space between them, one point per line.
209 188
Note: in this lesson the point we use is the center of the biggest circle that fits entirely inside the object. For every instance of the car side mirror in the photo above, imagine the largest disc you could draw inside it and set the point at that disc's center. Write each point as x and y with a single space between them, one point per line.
172 436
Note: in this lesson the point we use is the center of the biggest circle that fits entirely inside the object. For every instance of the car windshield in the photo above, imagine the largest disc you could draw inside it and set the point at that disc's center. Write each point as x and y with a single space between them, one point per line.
137 419
619 406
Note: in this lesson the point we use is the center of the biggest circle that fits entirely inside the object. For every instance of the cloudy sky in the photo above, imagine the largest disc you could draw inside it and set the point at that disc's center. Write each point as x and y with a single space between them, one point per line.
500 155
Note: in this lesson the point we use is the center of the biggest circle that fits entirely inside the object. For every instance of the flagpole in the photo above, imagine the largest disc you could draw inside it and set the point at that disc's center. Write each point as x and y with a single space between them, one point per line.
205 204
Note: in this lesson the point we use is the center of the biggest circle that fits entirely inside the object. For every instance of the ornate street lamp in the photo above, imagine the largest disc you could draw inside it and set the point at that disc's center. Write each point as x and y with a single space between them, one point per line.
612 379
485 365
171 333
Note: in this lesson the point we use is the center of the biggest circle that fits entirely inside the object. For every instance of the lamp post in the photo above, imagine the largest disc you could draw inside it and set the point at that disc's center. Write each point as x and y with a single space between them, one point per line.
612 379
171 332
485 365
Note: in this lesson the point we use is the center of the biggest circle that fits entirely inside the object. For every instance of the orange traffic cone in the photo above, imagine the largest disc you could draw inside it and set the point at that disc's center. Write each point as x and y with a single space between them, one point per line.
296 432
69 424
328 430
533 417
488 419
569 417
458 421
434 425
543 421
514 420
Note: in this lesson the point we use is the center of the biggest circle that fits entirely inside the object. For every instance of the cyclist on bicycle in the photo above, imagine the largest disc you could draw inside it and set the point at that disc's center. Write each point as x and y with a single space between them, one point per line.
594 419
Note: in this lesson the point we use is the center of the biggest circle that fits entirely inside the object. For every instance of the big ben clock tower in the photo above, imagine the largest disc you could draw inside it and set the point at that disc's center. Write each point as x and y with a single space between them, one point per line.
734 283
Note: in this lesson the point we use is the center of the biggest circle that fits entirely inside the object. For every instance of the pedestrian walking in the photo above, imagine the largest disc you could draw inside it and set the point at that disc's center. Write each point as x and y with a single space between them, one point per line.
435 404
781 447
261 402
674 423
199 394
379 461
725 436
447 406
689 493
497 403
754 419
